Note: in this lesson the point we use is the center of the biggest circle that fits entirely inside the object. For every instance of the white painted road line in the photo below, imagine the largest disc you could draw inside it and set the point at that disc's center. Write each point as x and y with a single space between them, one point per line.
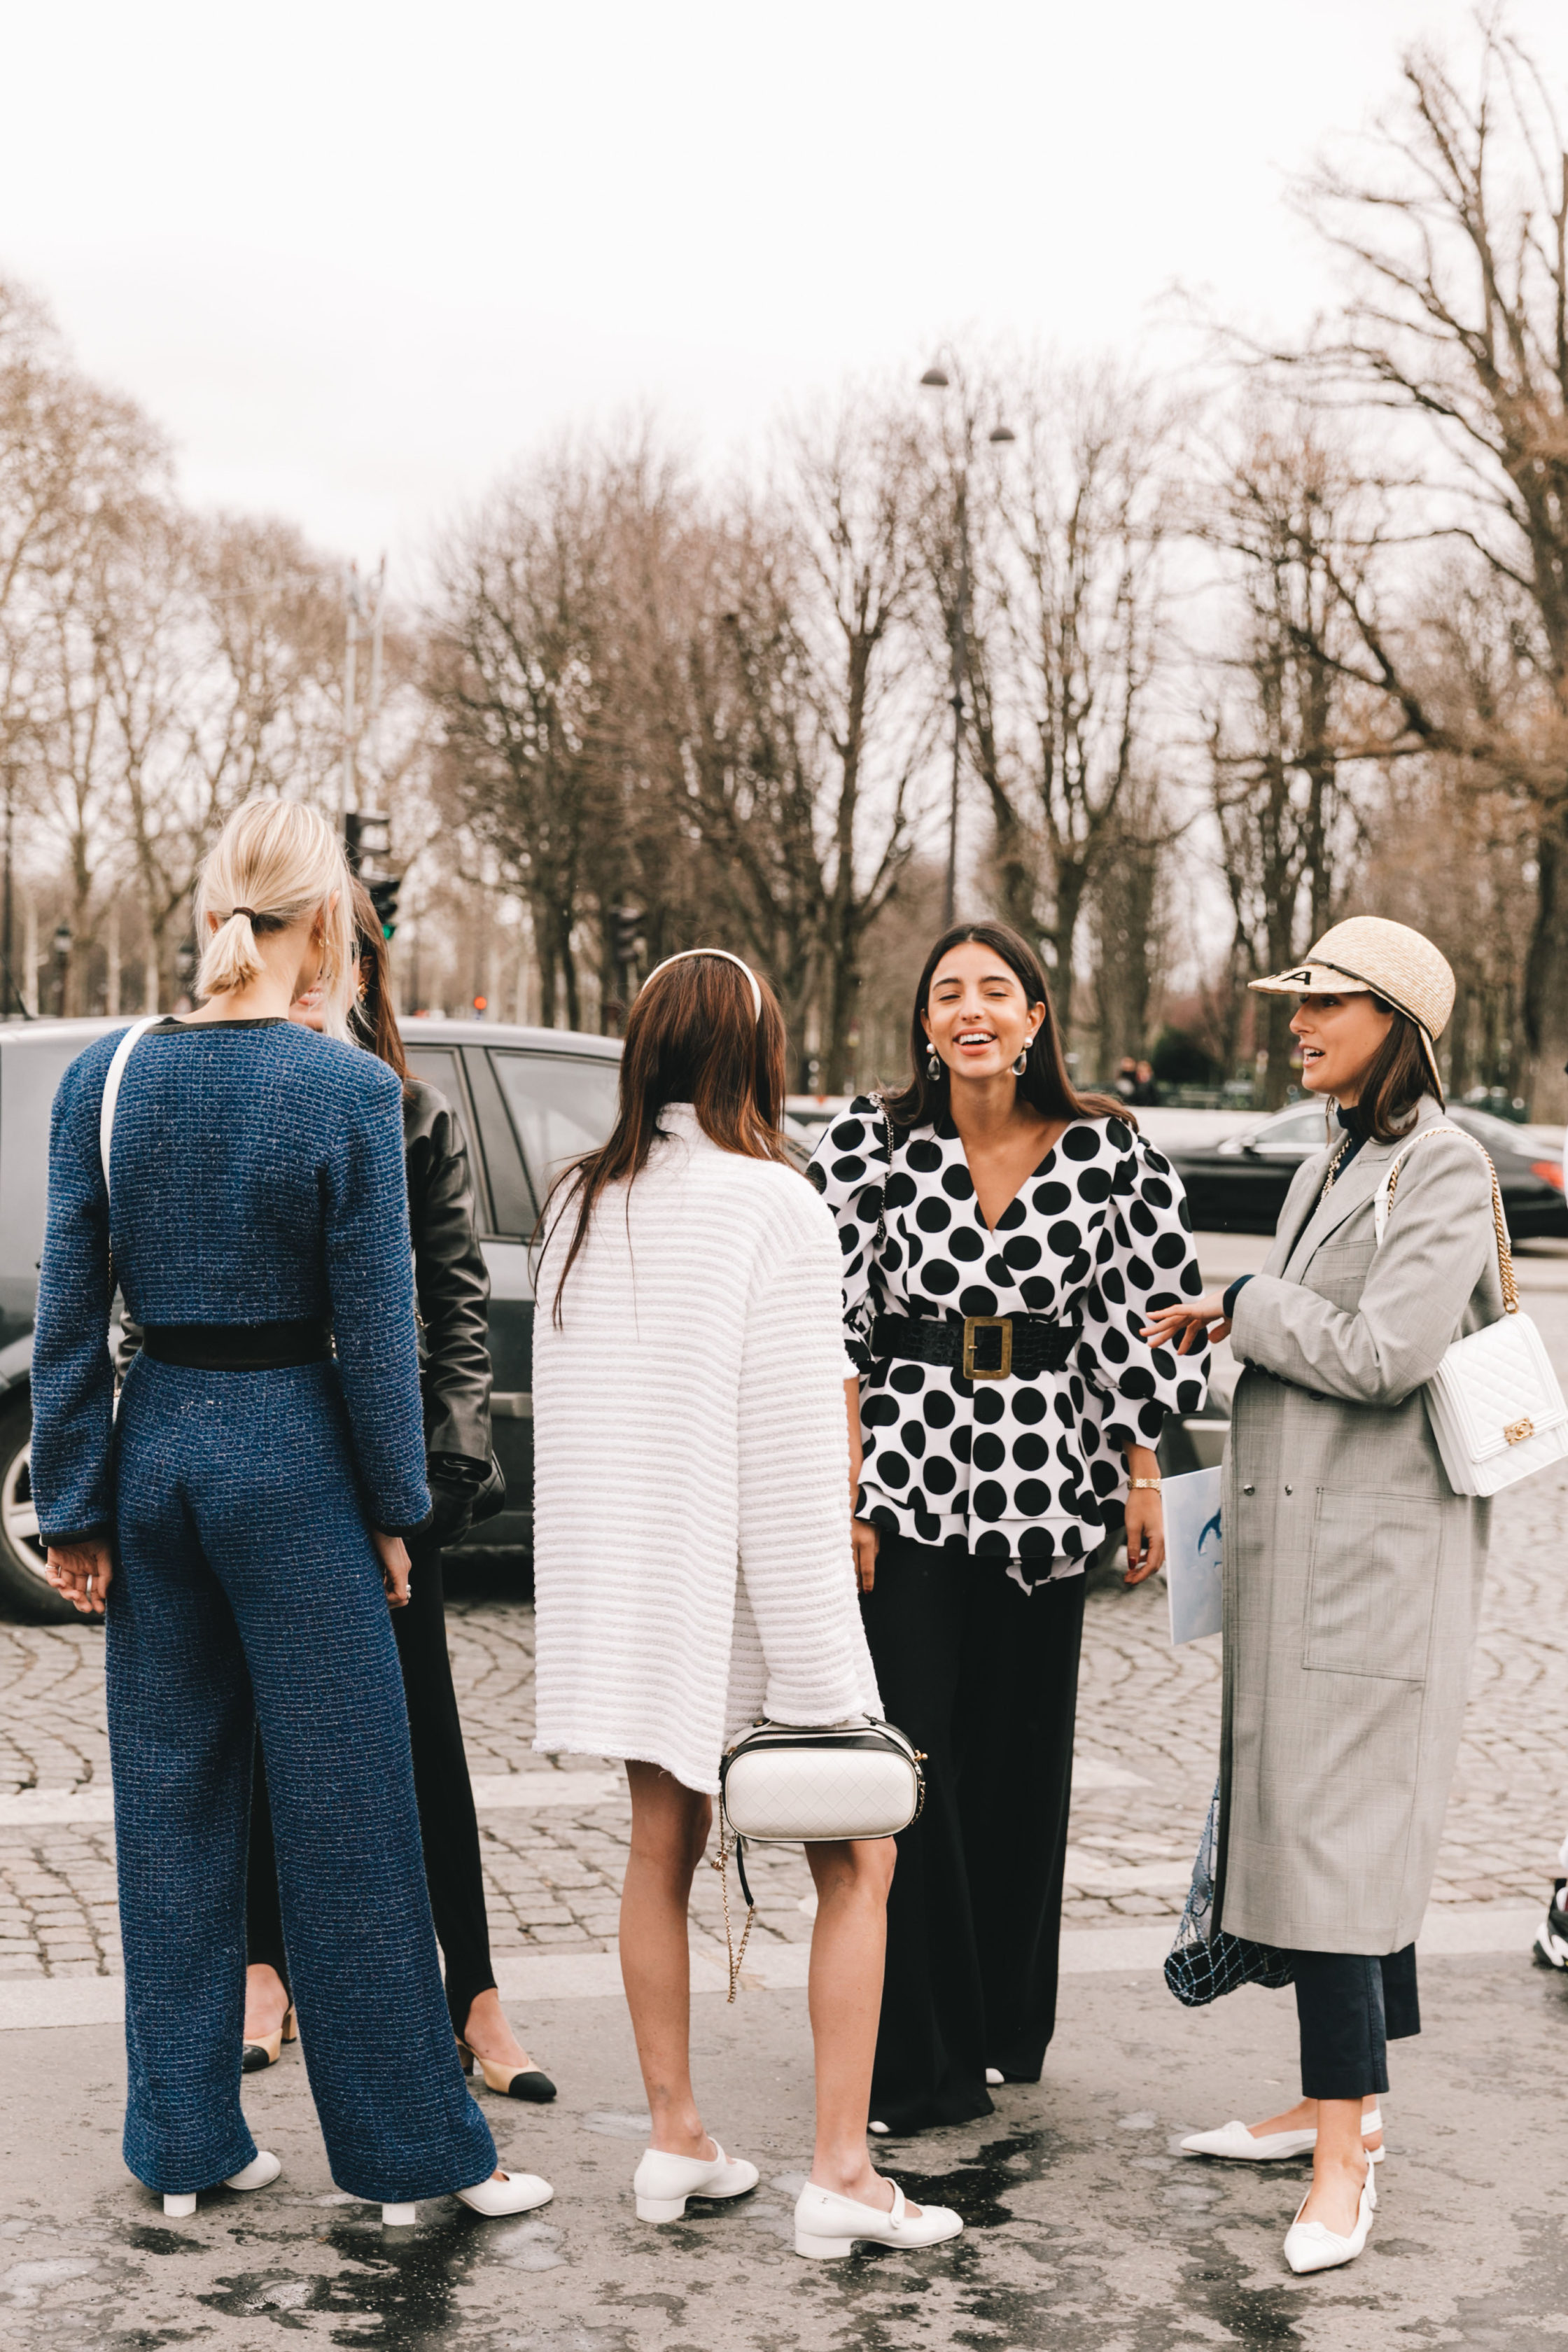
493 1793
1090 1773
31 2003
508 1792
525 1791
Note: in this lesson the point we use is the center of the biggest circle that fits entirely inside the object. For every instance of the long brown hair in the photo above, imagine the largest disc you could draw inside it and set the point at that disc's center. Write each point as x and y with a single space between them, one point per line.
371 1013
1397 1078
693 1035
1044 1084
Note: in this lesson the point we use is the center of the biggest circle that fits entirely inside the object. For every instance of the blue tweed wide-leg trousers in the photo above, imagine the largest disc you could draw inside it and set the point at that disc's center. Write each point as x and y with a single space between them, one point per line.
247 1589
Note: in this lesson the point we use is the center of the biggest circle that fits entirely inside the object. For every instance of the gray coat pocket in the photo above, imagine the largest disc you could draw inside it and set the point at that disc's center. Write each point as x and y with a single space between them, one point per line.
1337 1272
1372 1585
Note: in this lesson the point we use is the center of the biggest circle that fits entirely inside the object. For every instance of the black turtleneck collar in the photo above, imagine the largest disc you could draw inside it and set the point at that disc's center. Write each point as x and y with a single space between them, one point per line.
1353 1117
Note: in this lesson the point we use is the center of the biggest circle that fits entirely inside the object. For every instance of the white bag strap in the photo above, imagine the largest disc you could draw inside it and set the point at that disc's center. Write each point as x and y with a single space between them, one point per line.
1383 1200
122 1054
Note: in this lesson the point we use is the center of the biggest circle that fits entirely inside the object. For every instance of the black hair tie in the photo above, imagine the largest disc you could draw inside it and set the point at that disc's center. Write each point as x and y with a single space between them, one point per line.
249 912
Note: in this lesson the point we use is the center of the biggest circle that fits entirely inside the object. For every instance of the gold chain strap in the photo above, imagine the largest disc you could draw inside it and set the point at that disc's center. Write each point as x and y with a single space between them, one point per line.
737 1958
1499 1223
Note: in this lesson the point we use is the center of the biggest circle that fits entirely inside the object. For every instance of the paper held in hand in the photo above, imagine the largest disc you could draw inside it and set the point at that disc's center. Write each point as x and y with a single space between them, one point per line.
1192 1554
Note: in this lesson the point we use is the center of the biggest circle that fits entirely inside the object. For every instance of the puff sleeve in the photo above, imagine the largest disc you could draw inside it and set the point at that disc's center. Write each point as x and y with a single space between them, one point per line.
1144 1258
850 1169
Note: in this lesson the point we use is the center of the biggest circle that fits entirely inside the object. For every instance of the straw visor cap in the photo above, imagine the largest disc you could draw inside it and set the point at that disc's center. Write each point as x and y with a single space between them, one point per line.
1388 959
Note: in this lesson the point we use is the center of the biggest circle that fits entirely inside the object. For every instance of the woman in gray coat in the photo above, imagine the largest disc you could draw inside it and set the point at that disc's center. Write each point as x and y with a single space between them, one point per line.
1352 1571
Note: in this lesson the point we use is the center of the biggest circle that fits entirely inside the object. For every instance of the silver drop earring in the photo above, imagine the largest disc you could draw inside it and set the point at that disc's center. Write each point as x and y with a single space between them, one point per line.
933 1065
1022 1063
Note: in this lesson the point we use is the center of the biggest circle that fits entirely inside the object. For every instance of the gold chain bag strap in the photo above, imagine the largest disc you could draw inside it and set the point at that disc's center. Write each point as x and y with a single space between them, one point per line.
1495 1404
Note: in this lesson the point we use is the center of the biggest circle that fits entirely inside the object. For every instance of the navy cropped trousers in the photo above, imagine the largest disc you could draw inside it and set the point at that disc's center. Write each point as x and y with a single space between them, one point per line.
248 1592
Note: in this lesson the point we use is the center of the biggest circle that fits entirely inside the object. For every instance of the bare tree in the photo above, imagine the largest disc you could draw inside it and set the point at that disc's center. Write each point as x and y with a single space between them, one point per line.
850 500
518 682
1068 635
1293 734
1454 231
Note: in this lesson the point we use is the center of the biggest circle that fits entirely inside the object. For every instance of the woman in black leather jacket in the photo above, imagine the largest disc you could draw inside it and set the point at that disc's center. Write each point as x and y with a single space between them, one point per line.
466 1483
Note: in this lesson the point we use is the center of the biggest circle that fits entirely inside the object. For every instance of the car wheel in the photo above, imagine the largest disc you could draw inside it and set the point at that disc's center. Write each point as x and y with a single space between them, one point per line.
23 1590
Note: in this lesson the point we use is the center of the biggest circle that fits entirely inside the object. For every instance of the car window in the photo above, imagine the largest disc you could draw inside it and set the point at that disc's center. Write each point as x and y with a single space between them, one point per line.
513 1209
438 1066
1296 1134
31 1067
560 1106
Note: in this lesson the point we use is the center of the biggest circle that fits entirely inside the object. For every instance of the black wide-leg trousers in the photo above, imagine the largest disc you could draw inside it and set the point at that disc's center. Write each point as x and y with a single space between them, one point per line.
983 1677
449 1826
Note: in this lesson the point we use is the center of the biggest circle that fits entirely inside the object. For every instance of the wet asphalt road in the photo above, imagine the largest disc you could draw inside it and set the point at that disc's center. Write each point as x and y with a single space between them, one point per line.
1087 2230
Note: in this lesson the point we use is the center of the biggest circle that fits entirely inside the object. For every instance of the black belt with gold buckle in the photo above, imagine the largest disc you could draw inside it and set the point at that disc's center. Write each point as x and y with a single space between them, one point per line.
1023 1345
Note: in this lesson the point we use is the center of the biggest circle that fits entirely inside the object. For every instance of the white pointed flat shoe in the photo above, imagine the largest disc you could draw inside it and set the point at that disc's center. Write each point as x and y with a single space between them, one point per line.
827 2224
514 2192
1235 2142
260 2173
1309 2247
662 2183
994 2078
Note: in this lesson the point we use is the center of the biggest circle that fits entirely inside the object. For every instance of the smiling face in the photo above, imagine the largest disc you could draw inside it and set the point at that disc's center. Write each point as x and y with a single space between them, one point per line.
977 1015
1339 1037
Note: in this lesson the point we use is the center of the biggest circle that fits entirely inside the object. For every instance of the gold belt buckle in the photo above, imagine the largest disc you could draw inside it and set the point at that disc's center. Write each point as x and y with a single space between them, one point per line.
972 1323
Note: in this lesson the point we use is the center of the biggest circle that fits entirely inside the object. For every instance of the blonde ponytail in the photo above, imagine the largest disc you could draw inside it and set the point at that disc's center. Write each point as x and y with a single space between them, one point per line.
275 863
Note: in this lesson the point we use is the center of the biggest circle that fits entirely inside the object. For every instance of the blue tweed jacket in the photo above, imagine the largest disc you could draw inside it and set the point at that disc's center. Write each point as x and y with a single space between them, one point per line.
257 1176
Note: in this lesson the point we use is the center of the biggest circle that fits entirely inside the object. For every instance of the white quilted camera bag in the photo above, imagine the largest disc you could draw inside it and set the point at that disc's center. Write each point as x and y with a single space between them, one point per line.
1497 1410
795 1784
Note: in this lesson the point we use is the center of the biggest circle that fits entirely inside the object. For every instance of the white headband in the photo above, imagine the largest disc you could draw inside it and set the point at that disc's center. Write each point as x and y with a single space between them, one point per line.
680 958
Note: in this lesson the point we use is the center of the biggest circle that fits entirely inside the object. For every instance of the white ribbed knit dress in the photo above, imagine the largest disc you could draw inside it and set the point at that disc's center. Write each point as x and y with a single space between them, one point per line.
692 1565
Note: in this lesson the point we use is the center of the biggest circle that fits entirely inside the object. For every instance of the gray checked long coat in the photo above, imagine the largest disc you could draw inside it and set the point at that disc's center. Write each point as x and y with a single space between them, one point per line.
1352 1571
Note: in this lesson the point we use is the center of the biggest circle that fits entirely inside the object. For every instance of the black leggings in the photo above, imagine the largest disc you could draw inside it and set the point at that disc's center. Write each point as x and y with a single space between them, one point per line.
984 1676
1349 2009
448 1823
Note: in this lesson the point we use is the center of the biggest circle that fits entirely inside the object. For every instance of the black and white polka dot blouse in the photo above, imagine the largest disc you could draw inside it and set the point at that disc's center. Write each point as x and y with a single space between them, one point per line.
1027 1470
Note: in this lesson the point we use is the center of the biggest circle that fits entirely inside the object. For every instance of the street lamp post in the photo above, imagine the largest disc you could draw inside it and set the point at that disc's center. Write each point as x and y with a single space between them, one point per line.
62 964
936 379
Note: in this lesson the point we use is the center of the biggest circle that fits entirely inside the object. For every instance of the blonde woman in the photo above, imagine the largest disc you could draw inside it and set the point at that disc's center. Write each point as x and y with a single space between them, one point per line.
244 1521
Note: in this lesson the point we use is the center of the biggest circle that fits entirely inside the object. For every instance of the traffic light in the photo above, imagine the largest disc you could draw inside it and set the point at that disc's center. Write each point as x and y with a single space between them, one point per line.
628 923
366 834
383 898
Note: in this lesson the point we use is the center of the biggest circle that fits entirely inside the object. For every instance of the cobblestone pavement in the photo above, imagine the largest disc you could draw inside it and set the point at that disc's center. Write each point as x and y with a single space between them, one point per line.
554 1875
1148 1721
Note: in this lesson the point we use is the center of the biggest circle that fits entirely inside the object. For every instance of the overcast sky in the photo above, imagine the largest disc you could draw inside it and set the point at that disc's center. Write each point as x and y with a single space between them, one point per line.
357 259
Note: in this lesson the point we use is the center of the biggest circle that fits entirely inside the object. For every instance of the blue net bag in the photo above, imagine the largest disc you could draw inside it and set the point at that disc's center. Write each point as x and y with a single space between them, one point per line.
1199 1970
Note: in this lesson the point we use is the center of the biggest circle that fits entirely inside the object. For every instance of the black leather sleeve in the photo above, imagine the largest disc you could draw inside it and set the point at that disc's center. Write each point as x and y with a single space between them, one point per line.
450 1278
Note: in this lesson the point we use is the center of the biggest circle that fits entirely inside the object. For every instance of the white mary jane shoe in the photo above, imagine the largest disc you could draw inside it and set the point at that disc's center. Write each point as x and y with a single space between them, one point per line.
1309 2247
1233 2140
827 2224
514 2192
662 2183
260 2173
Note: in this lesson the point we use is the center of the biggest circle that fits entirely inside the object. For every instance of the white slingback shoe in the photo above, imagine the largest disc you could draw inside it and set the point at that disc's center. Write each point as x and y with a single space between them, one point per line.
1309 2246
662 2182
260 2173
514 2192
1235 2142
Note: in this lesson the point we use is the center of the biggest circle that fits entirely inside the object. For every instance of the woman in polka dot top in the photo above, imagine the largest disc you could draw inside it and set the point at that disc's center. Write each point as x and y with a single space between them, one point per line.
1004 1240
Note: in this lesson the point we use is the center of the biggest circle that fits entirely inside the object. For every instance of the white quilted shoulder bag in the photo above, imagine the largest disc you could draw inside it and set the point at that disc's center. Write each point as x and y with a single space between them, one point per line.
1496 1408
801 1784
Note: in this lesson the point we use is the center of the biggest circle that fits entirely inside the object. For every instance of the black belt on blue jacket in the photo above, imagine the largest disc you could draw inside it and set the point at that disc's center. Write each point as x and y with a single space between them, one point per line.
983 1347
239 1347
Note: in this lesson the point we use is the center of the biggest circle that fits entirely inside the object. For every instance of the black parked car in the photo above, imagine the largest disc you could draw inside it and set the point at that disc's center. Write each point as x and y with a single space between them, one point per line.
1239 1186
529 1099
